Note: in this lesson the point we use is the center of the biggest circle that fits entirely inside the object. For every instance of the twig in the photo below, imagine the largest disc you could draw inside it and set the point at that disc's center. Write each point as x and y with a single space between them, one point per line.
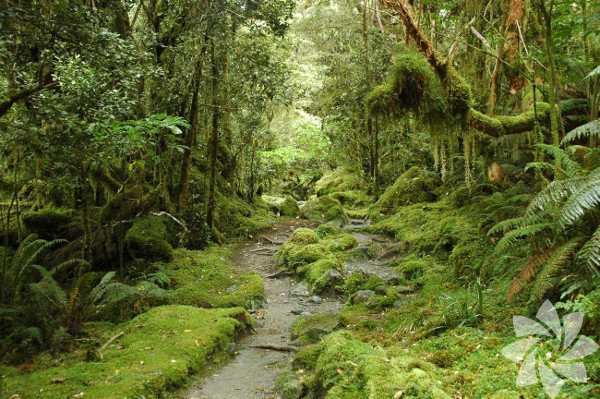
111 340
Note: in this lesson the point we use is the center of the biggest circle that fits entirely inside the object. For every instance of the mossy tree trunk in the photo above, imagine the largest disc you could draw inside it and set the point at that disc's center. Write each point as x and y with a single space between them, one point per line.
213 144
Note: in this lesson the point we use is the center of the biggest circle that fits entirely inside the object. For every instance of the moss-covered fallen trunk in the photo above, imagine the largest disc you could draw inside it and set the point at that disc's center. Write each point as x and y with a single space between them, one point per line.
157 351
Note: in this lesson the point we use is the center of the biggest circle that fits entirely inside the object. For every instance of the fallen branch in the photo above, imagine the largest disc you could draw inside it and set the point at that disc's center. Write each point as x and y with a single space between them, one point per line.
282 348
281 273
111 340
173 218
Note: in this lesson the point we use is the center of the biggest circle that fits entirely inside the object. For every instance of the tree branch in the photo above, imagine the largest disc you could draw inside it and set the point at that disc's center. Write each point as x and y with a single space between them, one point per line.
21 95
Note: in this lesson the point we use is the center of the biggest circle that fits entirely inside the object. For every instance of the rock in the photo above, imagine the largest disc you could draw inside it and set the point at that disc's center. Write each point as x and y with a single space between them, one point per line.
315 299
231 348
381 289
305 314
310 329
400 304
291 387
403 289
334 274
362 296
296 311
365 251
361 238
233 288
300 290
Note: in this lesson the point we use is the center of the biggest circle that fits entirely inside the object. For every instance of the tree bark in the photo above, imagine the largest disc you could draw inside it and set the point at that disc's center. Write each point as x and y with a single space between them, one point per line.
21 95
214 140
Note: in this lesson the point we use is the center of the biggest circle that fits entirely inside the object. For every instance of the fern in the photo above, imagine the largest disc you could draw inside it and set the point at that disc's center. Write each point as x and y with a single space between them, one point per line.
546 166
570 167
509 224
510 238
590 129
527 274
553 267
589 254
585 199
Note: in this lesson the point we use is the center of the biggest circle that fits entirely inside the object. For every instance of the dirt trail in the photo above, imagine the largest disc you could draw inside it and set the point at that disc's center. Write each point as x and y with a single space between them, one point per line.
253 373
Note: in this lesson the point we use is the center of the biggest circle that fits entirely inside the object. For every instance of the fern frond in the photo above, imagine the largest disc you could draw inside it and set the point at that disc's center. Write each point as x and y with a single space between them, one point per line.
589 254
527 273
71 262
47 289
585 199
546 166
555 192
590 129
510 224
552 268
510 238
33 333
570 167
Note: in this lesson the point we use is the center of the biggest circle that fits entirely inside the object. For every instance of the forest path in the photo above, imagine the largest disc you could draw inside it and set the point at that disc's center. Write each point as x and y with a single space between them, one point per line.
253 373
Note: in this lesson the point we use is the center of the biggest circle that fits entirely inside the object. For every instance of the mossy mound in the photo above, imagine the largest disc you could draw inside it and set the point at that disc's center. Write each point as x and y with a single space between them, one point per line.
304 236
209 279
352 198
348 368
158 351
340 179
342 242
236 219
47 223
310 329
324 209
148 239
328 229
289 208
413 186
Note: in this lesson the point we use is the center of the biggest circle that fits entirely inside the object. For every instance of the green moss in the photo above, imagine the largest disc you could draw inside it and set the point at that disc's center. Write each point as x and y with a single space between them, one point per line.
289 208
236 219
293 255
353 198
340 179
304 235
148 239
210 279
413 186
48 223
157 351
324 208
310 329
342 242
328 229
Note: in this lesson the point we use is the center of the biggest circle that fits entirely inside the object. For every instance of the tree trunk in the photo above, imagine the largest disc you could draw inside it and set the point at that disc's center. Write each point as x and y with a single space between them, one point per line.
214 140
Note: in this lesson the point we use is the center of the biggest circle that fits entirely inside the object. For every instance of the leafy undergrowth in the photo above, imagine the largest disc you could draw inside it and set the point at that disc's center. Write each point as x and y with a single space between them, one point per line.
210 279
157 351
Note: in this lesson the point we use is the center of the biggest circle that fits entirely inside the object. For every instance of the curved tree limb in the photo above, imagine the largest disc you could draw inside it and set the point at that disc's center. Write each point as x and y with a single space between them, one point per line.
21 95
495 126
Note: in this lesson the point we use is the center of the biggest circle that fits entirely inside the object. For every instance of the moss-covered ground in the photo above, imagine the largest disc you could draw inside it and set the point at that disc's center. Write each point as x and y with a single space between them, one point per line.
157 351
210 279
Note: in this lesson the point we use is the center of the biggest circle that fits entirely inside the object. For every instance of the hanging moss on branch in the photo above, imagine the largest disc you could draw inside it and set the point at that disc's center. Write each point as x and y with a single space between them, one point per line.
498 126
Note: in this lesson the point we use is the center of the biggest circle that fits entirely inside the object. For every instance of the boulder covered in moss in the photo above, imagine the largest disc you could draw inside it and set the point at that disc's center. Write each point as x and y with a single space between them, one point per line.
310 329
47 223
304 235
289 208
352 198
148 239
328 229
324 209
412 187
340 179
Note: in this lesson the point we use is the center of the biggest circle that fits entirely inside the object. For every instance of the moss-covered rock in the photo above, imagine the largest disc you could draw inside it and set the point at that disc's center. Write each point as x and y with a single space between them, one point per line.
413 186
236 219
352 198
343 242
325 209
290 208
328 229
310 329
148 239
304 235
340 179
